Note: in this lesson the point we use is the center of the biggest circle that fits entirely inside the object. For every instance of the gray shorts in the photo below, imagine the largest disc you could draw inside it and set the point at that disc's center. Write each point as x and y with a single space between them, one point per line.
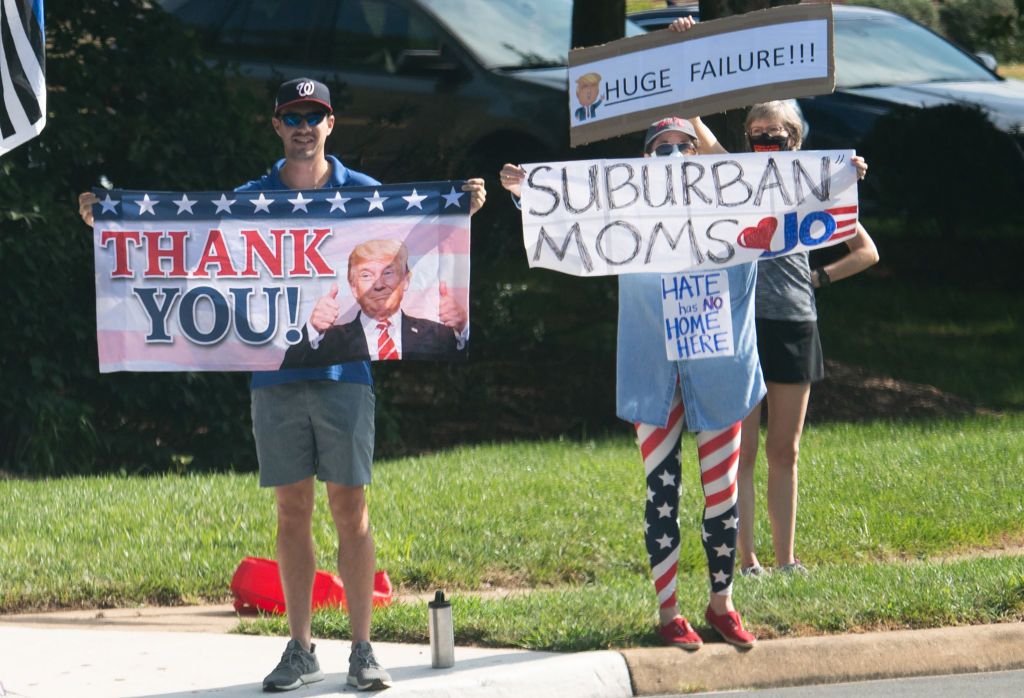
320 427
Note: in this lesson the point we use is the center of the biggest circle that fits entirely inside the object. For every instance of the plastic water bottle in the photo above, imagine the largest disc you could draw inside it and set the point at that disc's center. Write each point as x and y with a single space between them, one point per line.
442 632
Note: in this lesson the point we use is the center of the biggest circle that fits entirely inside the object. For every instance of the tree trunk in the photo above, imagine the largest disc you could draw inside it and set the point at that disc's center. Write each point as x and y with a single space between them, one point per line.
597 21
728 126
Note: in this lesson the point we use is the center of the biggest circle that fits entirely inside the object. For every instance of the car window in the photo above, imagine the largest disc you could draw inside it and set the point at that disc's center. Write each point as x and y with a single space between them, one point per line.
372 34
282 30
893 51
513 33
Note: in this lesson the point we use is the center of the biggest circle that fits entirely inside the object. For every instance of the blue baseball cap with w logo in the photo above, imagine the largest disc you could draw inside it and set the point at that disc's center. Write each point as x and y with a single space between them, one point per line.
302 90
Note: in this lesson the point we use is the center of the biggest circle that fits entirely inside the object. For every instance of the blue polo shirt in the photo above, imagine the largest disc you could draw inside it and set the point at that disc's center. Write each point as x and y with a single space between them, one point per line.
352 371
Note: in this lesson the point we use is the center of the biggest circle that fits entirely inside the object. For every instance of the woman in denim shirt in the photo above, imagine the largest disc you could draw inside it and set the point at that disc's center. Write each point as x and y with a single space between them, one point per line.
709 395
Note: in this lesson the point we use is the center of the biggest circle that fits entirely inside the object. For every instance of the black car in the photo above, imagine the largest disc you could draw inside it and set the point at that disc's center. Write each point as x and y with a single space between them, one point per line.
884 60
418 85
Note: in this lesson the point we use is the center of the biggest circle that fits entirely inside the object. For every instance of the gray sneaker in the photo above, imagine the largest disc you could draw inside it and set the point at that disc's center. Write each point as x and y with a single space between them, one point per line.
363 670
792 568
297 667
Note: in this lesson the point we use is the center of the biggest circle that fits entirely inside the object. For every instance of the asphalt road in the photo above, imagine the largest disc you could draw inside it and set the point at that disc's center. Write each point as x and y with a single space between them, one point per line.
997 684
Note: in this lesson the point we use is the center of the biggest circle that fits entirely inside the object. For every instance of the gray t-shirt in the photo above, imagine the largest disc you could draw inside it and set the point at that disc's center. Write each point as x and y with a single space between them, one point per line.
784 290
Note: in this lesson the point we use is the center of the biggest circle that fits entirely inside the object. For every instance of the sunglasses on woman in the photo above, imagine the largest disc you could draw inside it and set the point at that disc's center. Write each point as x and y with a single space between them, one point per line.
670 148
293 119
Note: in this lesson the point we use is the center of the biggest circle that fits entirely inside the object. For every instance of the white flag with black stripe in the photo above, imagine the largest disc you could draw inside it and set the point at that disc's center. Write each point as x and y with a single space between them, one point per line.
22 72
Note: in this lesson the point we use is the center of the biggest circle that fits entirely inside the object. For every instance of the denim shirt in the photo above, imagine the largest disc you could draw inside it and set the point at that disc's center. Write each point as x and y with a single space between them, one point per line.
717 392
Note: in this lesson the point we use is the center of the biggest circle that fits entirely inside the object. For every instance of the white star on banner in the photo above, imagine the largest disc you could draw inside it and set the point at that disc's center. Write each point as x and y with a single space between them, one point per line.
185 204
109 205
664 541
338 201
664 511
723 550
376 201
704 535
452 198
414 200
647 527
731 522
146 205
299 202
650 495
223 204
720 577
668 480
261 204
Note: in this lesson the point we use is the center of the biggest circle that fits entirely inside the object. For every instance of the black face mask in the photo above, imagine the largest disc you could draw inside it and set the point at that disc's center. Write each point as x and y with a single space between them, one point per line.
766 143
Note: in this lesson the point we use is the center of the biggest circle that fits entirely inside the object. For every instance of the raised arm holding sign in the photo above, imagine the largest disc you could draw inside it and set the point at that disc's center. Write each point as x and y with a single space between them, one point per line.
718 65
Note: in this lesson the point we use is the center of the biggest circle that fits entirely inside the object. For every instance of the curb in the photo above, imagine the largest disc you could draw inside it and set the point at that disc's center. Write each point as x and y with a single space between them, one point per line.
828 659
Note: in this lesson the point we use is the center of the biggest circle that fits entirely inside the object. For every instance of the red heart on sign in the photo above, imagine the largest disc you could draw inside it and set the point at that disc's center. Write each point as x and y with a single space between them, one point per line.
760 237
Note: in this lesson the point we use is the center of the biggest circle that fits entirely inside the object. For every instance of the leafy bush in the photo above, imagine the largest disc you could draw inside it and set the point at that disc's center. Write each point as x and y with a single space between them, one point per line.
137 114
131 98
985 25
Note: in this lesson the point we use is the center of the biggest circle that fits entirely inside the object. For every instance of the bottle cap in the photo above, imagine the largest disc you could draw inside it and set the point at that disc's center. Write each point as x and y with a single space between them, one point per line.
439 600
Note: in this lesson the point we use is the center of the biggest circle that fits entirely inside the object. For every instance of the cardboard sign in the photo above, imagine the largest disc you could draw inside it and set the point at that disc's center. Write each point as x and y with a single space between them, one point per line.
624 86
227 281
670 214
698 315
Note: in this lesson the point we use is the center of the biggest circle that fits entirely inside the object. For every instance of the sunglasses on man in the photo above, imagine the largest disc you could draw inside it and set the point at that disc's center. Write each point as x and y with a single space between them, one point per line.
293 119
670 148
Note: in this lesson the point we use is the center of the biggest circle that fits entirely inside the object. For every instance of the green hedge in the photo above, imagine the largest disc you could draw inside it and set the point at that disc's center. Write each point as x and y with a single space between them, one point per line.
131 99
995 26
128 98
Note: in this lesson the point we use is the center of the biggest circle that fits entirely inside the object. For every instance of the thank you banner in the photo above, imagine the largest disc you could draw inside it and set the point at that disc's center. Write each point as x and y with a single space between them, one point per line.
232 281
623 86
671 214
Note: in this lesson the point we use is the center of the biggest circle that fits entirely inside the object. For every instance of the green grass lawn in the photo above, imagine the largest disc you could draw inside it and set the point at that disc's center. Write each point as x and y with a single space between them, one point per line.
565 518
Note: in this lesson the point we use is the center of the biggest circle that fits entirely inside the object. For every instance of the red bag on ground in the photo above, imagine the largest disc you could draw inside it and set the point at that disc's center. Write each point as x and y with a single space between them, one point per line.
256 586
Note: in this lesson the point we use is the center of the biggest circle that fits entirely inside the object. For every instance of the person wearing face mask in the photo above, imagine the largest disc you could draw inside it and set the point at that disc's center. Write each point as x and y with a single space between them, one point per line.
789 348
709 396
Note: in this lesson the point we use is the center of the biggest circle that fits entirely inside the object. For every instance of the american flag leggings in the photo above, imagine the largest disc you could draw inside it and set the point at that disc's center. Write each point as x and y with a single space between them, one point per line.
718 452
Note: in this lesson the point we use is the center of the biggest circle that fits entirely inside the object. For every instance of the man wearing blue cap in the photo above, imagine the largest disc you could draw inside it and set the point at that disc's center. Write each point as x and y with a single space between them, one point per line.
316 423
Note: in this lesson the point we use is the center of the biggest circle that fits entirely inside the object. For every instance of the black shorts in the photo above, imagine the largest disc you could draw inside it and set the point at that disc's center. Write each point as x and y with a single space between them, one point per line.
790 351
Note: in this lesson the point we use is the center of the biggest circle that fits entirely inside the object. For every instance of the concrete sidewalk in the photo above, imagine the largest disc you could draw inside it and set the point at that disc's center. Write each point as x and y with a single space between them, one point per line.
186 651
61 662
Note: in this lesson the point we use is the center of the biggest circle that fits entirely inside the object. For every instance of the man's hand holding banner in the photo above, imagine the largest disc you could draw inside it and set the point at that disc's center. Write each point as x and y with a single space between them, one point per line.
229 281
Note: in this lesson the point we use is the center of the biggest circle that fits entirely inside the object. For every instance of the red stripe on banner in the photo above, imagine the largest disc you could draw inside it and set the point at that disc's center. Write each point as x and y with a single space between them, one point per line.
717 442
713 499
841 210
721 469
844 234
658 435
846 222
662 581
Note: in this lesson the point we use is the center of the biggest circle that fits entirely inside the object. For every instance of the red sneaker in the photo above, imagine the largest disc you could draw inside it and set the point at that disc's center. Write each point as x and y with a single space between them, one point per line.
679 633
730 627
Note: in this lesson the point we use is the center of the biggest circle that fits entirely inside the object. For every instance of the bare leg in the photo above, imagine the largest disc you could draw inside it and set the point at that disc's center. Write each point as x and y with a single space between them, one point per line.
357 557
787 406
295 556
745 483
